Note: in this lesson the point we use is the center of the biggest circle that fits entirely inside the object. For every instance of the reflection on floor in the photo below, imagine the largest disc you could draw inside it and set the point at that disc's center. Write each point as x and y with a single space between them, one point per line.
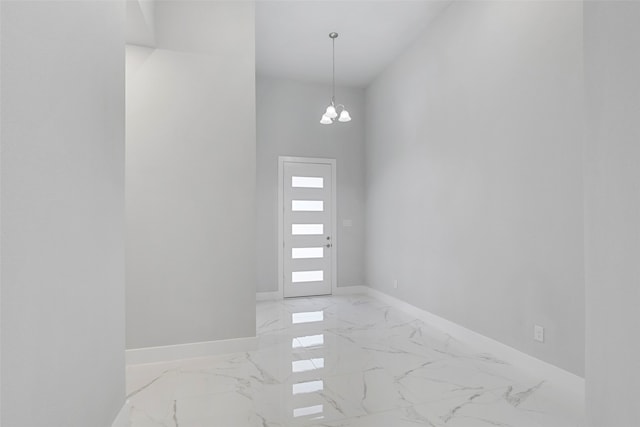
346 361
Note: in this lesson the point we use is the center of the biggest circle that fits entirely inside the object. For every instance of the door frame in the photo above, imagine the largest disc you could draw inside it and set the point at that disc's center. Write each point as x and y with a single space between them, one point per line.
334 217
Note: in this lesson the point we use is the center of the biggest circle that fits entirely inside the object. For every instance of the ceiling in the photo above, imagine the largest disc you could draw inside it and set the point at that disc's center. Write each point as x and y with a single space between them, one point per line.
292 36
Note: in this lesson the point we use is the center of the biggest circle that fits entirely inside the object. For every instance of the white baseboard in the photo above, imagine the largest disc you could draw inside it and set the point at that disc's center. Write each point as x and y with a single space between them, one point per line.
123 417
189 351
558 376
268 296
350 290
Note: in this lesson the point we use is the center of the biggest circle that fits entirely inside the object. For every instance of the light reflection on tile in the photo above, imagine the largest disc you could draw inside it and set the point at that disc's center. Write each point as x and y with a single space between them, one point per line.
307 411
307 387
307 365
307 317
347 361
308 341
318 362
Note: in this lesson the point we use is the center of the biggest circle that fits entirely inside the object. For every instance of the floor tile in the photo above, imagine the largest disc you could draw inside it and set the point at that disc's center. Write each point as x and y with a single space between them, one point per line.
349 361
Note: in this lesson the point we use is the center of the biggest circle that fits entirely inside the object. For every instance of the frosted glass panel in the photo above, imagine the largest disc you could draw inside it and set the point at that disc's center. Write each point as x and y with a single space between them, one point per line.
307 182
307 276
307 229
307 205
304 253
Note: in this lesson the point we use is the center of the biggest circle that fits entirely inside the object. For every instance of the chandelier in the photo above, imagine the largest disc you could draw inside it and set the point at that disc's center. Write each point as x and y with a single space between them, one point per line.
334 111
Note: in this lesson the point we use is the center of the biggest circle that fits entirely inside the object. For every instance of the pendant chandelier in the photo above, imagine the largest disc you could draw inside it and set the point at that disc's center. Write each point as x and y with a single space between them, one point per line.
334 111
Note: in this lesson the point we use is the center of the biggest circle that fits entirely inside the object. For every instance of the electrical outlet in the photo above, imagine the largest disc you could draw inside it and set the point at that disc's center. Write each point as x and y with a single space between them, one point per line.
395 284
538 333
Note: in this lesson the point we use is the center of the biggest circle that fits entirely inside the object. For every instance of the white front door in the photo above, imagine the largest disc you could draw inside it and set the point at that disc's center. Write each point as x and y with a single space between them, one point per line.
307 223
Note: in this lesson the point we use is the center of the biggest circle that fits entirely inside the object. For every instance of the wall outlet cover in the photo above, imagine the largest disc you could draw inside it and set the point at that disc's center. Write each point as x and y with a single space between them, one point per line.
538 333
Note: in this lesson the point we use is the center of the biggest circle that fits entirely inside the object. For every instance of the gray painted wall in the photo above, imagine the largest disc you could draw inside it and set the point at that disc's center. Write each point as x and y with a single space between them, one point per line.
62 171
190 169
288 116
612 220
474 175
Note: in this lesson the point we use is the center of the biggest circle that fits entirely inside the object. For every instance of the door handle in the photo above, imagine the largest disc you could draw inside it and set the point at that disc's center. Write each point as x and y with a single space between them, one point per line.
328 245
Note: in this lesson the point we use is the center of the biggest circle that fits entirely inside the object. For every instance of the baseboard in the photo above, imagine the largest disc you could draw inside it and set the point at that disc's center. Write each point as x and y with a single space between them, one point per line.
563 379
189 351
350 290
123 417
268 296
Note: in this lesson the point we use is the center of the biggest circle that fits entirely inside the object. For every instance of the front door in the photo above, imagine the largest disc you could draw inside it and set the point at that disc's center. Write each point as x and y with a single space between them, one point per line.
307 224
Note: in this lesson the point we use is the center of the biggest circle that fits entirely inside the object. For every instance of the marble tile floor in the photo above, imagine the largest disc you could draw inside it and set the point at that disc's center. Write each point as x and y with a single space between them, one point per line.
346 361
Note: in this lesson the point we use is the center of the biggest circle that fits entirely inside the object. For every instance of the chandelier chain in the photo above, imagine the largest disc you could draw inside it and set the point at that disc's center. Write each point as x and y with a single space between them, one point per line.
333 91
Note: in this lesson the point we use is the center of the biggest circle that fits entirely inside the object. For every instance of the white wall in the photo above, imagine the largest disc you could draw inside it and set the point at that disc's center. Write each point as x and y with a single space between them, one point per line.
190 177
612 221
288 124
62 233
140 23
474 175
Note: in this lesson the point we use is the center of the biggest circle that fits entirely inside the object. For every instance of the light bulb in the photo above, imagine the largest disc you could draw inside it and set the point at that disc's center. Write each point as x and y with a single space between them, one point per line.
344 116
331 112
325 120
